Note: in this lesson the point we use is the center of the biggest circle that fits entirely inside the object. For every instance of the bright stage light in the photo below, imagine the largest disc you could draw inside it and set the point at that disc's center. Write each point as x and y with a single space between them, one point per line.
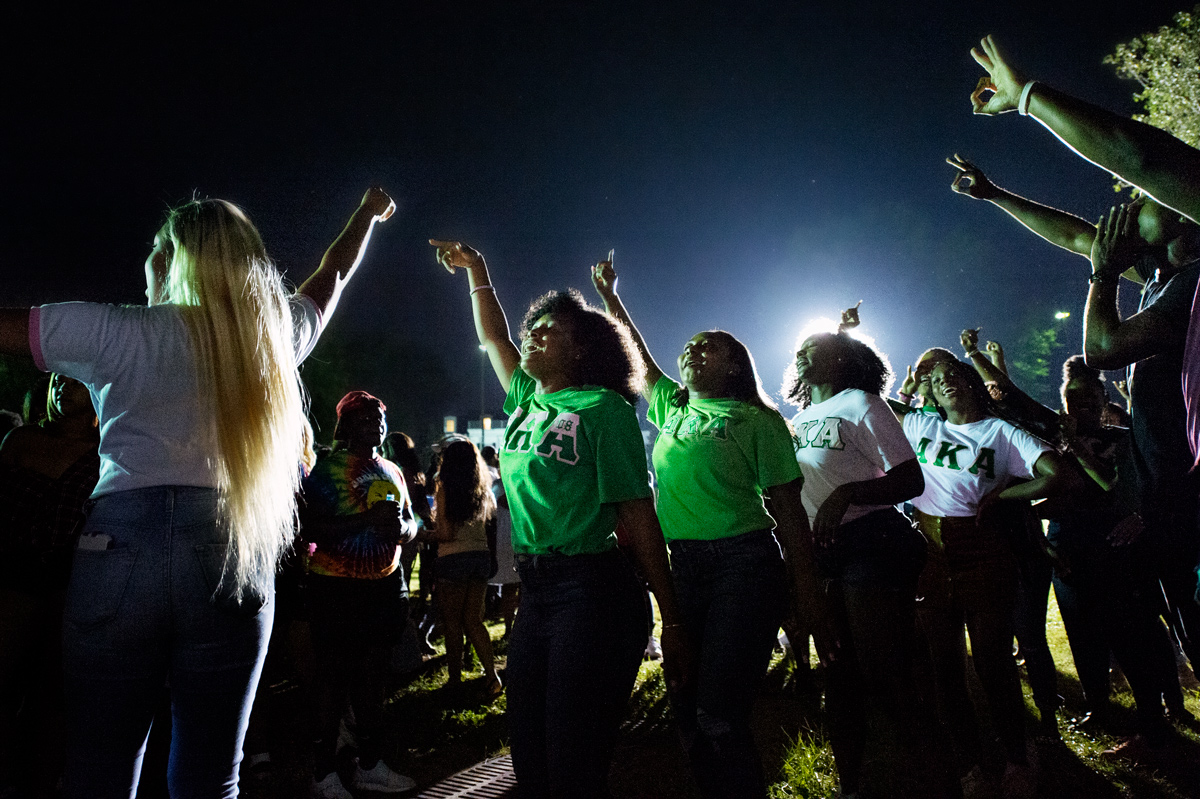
825 325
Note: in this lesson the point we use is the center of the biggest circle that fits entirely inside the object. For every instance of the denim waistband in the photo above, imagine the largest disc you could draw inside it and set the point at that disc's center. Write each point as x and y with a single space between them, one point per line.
175 505
566 564
722 546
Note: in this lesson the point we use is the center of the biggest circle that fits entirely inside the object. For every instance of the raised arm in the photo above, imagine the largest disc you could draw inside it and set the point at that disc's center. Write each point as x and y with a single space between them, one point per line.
491 325
1108 341
1151 159
1015 399
324 286
1057 227
990 373
604 278
995 353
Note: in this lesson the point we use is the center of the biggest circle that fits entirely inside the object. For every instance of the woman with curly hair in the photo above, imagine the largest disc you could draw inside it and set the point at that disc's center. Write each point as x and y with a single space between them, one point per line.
857 465
574 465
728 497
970 458
464 508
200 409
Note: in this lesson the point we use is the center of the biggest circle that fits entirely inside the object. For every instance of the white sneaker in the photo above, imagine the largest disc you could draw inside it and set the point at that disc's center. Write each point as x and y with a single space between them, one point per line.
653 649
329 788
381 779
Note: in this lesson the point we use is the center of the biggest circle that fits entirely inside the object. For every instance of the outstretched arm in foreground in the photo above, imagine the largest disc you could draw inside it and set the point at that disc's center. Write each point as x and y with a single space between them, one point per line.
491 325
1151 159
1014 397
1057 227
604 279
324 286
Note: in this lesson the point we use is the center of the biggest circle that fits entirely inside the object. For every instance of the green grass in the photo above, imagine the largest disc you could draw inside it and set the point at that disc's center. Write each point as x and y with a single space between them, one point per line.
808 770
1074 769
438 732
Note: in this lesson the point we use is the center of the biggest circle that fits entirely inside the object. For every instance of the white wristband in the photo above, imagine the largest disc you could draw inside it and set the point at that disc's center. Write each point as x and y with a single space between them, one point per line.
1023 103
485 287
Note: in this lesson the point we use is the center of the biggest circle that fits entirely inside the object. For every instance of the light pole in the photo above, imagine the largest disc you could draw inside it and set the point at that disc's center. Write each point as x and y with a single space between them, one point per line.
482 381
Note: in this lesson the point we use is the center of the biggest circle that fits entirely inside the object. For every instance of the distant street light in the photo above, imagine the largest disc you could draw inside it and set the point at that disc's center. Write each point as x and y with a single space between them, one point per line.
482 378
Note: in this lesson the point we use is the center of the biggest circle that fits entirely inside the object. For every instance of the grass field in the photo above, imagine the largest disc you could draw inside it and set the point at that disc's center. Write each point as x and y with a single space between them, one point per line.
436 732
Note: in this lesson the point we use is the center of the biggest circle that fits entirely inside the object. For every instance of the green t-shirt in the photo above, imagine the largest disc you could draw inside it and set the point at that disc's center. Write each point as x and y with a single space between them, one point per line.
714 458
567 458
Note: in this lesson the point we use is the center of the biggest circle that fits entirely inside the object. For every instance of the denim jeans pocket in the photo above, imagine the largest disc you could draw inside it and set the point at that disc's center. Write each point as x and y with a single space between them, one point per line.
99 578
222 593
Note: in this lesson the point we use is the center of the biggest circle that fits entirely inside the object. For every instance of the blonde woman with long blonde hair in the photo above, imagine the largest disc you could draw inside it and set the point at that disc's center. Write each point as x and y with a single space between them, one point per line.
201 410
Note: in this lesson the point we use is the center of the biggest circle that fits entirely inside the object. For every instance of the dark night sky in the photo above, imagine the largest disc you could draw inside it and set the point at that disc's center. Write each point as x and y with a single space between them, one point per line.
754 164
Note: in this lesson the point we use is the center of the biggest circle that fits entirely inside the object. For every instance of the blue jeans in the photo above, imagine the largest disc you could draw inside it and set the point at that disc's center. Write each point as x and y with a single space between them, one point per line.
972 580
142 612
572 663
869 694
732 594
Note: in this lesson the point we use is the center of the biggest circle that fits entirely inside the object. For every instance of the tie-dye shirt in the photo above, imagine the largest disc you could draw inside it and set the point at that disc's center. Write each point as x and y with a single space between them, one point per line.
342 484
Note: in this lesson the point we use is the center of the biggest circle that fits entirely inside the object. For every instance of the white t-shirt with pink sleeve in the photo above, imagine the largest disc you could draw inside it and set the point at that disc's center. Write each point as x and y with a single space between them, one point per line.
850 437
137 363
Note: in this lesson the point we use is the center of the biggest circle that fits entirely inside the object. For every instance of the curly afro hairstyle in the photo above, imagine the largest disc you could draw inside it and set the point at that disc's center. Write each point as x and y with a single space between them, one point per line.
863 367
608 356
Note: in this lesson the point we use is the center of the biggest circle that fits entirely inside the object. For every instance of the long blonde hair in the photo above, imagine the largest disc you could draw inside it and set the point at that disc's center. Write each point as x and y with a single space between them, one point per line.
235 306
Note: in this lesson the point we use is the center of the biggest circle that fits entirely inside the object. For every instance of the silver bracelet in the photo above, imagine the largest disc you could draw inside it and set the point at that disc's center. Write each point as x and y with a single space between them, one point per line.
487 286
1023 103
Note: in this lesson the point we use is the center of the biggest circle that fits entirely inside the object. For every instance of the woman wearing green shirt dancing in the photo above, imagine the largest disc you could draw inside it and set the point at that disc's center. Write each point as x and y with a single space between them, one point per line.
729 493
574 464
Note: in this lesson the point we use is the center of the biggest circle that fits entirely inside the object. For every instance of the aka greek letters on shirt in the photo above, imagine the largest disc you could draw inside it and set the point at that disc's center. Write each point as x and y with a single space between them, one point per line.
568 458
850 437
963 462
714 458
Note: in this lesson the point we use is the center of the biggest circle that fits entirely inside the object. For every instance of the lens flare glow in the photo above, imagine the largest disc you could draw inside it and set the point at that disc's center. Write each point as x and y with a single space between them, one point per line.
823 324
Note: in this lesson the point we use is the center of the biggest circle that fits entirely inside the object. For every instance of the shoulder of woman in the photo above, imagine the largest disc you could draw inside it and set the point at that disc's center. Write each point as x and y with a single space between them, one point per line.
19 439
